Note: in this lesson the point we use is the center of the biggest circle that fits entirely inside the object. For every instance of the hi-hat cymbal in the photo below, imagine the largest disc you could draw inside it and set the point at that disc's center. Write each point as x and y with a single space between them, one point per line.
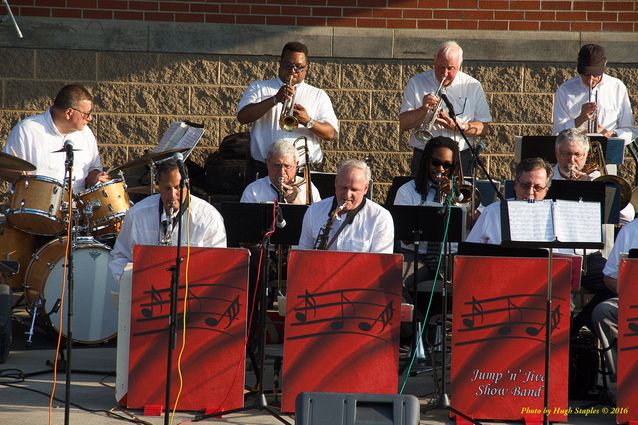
146 159
11 162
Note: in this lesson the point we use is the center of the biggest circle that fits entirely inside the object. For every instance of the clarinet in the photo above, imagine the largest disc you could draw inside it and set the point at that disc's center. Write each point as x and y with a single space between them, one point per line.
321 243
166 239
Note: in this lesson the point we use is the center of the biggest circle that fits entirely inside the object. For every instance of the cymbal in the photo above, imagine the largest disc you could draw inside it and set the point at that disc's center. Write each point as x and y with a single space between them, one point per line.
146 159
11 162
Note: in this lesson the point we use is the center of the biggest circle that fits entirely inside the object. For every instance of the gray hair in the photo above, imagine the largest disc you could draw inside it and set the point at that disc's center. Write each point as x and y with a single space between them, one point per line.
573 135
355 163
450 49
281 147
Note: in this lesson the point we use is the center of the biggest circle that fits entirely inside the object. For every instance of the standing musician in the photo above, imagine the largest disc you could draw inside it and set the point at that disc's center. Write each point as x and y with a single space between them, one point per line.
594 101
263 102
348 221
154 220
35 139
282 182
532 179
421 98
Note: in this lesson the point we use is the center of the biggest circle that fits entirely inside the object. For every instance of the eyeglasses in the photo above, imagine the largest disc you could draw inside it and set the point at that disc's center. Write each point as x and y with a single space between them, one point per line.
438 163
535 187
568 155
291 66
85 115
286 167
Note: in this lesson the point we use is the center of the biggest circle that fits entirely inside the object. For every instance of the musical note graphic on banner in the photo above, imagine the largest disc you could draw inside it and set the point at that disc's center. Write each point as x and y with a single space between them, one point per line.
477 309
338 324
512 316
156 299
555 321
232 311
309 304
385 317
350 310
630 337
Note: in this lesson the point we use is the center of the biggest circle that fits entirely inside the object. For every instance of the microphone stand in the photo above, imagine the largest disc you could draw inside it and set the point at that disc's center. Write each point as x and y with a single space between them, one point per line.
68 164
475 157
175 277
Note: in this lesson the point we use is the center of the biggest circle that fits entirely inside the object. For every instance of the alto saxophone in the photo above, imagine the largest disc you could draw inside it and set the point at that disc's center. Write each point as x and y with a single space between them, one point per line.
321 243
168 231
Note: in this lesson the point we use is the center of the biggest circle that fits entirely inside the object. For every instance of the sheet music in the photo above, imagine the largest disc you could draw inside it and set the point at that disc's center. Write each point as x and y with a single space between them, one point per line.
531 221
180 135
577 221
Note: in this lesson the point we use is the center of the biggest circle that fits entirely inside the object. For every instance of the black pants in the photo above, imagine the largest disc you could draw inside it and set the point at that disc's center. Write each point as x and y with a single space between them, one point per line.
593 282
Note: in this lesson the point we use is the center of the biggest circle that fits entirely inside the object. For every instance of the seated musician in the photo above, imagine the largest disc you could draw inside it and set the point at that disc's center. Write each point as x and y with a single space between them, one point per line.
282 182
531 182
35 139
432 183
154 221
348 221
572 147
605 314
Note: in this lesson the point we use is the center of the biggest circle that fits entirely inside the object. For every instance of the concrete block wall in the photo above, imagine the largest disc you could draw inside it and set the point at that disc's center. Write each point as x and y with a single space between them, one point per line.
141 84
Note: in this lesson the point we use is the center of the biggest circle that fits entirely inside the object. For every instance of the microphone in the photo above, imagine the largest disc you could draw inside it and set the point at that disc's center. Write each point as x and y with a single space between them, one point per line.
479 148
179 158
280 221
68 148
448 104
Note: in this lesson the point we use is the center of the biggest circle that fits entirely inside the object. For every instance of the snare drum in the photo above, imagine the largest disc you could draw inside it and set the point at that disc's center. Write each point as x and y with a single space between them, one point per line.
15 245
94 311
36 205
109 203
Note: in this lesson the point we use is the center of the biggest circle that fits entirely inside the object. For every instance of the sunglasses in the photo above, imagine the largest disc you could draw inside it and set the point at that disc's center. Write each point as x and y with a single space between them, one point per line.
438 163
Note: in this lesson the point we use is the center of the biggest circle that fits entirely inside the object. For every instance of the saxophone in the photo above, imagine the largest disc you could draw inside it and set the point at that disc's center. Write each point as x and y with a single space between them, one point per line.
168 233
321 242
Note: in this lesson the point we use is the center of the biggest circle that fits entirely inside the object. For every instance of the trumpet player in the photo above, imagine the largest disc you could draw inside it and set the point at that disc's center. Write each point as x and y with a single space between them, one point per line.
571 149
421 99
263 102
594 101
348 221
282 182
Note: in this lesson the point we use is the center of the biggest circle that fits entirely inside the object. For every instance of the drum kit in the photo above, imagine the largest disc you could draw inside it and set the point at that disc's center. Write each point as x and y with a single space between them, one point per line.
39 208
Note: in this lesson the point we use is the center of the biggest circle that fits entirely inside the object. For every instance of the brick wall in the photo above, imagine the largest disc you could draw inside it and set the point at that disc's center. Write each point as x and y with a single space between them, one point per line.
536 15
138 95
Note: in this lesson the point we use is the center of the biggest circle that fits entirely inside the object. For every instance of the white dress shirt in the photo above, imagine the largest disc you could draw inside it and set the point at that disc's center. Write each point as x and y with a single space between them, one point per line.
613 107
372 229
35 139
142 226
262 190
266 129
627 239
465 93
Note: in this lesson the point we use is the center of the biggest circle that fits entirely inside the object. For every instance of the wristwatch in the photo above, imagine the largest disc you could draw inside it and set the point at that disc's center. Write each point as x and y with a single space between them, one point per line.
310 123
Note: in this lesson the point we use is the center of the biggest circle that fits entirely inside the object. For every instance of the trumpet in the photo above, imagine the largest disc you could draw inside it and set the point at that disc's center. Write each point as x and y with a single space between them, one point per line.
423 132
592 122
287 120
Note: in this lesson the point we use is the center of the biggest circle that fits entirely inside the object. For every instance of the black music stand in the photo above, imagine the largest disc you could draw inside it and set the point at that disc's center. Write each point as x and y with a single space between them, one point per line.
550 245
262 217
428 223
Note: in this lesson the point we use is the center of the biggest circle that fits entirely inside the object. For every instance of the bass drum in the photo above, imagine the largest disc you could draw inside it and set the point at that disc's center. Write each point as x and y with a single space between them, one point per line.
94 287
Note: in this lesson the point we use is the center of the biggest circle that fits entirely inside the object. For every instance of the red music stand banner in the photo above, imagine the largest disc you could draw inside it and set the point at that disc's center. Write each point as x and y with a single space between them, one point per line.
498 337
213 362
627 385
342 323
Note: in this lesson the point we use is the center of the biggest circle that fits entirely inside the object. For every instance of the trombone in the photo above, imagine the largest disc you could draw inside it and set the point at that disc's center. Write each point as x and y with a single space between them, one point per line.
423 132
287 120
